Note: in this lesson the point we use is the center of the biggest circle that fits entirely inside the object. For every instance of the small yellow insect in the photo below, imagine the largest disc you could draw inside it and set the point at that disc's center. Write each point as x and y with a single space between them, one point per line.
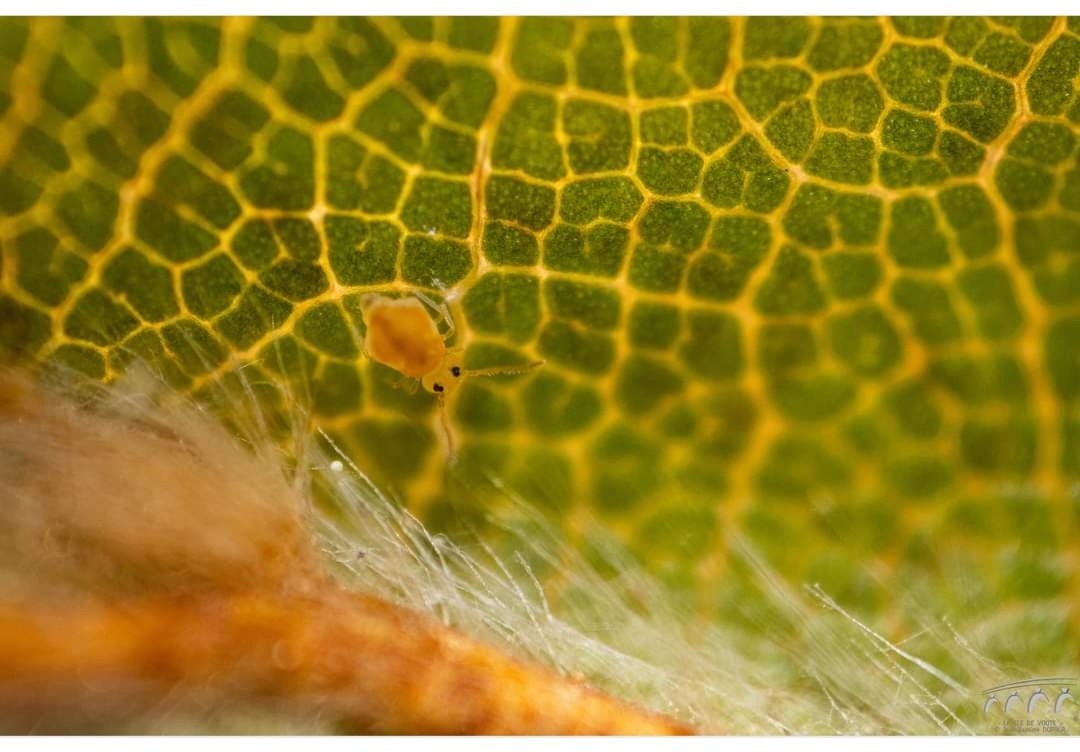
402 336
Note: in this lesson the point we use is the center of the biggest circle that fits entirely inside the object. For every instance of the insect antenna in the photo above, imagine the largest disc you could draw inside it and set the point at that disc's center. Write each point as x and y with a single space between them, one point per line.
509 370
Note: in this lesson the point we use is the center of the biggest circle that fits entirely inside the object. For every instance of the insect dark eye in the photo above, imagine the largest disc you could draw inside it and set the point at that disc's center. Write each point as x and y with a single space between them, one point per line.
437 387
456 370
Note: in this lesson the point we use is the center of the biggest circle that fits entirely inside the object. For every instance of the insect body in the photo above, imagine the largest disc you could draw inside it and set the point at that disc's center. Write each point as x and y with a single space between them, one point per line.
402 335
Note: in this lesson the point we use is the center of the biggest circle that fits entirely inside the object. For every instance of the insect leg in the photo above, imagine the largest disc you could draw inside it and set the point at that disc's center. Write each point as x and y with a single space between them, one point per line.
405 384
439 308
444 417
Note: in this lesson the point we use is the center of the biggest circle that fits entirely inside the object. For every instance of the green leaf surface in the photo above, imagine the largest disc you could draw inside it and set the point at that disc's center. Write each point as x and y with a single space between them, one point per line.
834 261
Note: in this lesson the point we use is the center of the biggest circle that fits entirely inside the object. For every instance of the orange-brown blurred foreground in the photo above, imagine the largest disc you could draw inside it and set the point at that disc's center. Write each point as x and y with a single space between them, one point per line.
146 555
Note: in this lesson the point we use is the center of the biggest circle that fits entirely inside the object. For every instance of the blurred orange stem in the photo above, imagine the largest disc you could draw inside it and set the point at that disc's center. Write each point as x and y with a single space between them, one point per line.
379 667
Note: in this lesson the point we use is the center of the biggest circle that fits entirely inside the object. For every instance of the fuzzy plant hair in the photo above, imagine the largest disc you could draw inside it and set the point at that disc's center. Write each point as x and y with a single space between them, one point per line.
161 570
